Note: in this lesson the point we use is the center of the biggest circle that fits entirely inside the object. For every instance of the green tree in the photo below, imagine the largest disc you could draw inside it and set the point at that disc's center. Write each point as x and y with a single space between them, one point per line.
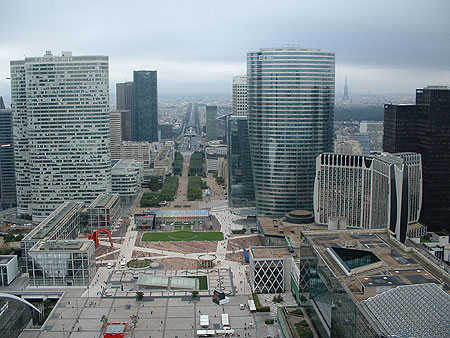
194 295
134 320
104 320
139 296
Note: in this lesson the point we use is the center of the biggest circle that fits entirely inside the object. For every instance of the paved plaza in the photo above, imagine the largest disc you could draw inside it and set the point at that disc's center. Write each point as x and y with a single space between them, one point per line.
160 317
164 312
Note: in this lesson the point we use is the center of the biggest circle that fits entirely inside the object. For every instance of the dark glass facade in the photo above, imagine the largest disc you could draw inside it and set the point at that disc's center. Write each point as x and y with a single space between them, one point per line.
7 172
211 123
124 103
240 186
145 103
425 128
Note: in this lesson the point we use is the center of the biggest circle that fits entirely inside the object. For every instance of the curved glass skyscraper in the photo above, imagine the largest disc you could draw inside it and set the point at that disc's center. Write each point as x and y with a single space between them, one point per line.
291 114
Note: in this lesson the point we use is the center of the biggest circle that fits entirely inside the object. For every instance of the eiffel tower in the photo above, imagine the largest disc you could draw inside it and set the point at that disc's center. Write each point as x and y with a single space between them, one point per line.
345 90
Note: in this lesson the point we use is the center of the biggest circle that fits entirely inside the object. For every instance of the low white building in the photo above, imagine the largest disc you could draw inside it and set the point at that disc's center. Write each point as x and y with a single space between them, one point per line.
127 178
9 269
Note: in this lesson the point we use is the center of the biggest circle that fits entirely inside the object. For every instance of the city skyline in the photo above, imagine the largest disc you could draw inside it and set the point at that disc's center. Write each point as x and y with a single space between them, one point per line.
197 49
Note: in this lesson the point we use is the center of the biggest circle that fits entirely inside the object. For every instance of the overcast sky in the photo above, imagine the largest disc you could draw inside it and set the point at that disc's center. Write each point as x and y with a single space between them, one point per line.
383 46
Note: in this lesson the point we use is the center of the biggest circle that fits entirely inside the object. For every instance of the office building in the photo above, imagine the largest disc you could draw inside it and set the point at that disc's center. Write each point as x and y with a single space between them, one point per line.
145 106
240 95
7 172
130 150
120 125
124 96
291 112
63 224
425 128
350 147
61 130
240 175
163 163
127 178
364 140
271 268
104 212
375 131
211 123
214 154
364 283
371 192
62 263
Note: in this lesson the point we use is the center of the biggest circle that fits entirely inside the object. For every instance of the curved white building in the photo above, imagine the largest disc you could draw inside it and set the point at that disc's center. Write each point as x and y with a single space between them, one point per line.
371 192
291 113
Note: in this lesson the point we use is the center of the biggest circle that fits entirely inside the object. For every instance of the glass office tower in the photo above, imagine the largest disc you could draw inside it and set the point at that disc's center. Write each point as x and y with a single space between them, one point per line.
291 113
145 106
240 187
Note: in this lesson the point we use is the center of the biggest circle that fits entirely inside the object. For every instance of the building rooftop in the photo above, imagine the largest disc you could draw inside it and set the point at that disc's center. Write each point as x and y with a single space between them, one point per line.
63 245
271 252
124 165
5 259
104 201
115 328
369 262
64 212
168 282
280 227
421 310
181 213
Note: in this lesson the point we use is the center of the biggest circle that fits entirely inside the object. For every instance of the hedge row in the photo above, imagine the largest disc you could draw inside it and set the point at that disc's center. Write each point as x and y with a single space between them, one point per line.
194 191
168 192
196 164
169 188
178 164
150 199
258 306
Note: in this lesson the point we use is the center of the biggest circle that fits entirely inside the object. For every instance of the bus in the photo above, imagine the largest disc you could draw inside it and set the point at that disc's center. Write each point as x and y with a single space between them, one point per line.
225 321
251 305
206 333
204 320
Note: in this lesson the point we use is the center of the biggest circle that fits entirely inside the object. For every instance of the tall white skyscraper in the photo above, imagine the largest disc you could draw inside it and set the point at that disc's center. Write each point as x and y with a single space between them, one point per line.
61 130
240 95
291 113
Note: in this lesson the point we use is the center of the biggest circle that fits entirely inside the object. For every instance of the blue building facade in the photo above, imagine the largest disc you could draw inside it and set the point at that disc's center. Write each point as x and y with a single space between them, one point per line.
145 103
240 186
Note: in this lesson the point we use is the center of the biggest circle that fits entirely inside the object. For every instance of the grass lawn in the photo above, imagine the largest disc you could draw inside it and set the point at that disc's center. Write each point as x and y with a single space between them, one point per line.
135 263
182 236
202 282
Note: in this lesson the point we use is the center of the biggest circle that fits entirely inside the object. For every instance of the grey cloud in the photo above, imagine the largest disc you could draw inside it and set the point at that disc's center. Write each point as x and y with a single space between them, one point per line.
407 35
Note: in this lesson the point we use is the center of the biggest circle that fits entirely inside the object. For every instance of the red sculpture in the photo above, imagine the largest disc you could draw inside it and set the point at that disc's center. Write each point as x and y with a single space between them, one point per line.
94 237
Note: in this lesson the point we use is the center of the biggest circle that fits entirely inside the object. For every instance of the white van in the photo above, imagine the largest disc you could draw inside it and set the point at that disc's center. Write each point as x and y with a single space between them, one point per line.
123 264
110 265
